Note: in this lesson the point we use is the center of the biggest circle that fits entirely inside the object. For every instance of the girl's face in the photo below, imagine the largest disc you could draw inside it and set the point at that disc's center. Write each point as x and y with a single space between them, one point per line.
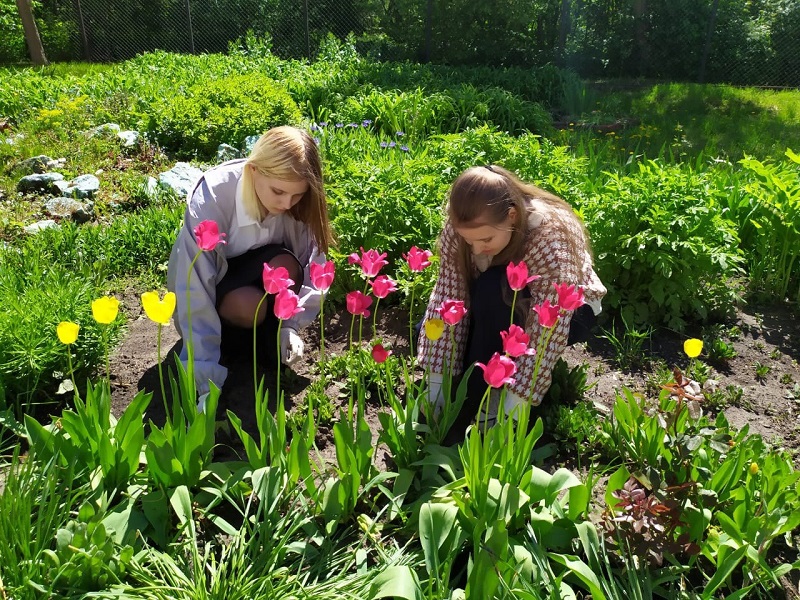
277 195
489 239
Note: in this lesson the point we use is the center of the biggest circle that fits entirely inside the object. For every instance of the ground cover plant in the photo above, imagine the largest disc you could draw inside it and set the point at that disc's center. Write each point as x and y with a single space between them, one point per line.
343 489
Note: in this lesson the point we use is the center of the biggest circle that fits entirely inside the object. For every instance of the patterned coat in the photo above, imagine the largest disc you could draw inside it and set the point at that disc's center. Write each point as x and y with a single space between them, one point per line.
551 234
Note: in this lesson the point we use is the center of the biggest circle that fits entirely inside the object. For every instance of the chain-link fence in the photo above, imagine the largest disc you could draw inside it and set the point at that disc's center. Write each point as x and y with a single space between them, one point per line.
753 42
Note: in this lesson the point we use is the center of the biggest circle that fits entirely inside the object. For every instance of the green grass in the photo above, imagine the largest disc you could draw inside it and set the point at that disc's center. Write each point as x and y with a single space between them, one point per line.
685 121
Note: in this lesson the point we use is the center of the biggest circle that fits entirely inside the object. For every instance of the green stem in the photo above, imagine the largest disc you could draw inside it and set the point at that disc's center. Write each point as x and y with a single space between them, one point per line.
105 349
255 339
484 402
278 378
411 323
322 329
513 304
161 373
72 372
375 319
544 340
190 344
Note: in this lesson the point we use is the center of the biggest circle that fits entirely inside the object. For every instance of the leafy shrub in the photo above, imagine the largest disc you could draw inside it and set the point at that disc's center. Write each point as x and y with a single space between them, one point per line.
663 248
224 110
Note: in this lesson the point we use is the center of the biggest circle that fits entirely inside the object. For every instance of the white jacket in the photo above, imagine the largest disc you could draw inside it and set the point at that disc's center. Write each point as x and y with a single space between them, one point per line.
217 196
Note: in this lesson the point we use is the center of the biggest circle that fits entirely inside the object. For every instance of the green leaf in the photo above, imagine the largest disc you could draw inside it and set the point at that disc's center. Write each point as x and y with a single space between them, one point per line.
397 581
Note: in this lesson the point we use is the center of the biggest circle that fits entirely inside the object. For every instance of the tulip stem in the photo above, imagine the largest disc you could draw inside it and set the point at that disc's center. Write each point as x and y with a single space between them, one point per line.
255 345
322 329
374 320
513 304
278 376
72 372
161 374
190 344
411 324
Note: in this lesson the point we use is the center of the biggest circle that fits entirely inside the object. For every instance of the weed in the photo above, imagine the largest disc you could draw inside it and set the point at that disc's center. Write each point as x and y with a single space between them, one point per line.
762 371
699 371
720 351
628 347
775 354
569 386
787 379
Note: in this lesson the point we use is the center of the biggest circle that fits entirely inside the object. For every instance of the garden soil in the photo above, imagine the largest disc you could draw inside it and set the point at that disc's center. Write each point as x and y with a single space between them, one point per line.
769 405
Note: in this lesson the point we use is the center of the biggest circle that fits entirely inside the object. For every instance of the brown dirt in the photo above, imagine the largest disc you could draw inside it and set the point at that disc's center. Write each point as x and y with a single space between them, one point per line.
769 336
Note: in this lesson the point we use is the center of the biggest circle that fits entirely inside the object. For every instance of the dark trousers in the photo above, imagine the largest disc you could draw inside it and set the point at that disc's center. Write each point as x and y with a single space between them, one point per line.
243 271
491 314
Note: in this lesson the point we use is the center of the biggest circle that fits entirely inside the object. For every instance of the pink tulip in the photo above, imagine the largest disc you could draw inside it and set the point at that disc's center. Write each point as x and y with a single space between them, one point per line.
322 275
208 236
379 353
370 260
286 304
570 297
548 313
358 303
276 279
518 275
515 342
418 259
383 285
452 311
498 371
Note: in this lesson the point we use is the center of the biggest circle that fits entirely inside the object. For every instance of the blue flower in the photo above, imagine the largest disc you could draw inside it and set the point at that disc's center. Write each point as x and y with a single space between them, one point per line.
392 144
383 144
323 124
352 124
366 122
404 148
399 134
340 125
314 127
316 141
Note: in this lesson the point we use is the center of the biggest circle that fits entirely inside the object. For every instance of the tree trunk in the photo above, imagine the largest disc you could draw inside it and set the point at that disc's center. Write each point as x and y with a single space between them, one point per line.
642 46
31 33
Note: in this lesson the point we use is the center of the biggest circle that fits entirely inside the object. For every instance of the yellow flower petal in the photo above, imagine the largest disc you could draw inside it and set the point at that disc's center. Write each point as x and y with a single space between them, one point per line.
753 468
159 311
693 347
67 332
105 309
434 328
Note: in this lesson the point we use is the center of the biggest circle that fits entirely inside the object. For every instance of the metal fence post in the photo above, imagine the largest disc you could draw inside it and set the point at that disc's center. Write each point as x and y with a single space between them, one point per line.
189 19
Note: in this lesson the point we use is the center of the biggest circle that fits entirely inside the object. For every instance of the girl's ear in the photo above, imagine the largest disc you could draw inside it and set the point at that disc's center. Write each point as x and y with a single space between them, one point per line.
512 215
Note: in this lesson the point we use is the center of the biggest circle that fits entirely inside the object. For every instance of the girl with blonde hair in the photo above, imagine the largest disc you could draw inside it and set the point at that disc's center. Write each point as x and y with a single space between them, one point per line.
271 208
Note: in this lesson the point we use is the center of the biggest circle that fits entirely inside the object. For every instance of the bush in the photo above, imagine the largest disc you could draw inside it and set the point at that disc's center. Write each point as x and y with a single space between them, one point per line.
225 110
663 248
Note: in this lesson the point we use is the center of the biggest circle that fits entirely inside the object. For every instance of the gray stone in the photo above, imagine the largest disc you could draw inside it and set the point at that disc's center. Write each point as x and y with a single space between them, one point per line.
106 129
35 164
83 186
39 182
69 208
129 138
56 163
181 178
249 142
227 152
40 225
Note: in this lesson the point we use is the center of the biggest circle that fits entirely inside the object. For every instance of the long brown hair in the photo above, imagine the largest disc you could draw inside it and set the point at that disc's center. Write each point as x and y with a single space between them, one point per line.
485 196
291 154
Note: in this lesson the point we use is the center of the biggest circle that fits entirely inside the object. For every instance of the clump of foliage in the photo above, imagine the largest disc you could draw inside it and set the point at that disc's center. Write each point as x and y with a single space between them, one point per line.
224 110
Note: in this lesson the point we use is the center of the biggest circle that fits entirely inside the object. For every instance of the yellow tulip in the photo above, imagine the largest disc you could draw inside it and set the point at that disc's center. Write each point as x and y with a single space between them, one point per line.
105 309
693 347
753 468
67 332
434 328
159 311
